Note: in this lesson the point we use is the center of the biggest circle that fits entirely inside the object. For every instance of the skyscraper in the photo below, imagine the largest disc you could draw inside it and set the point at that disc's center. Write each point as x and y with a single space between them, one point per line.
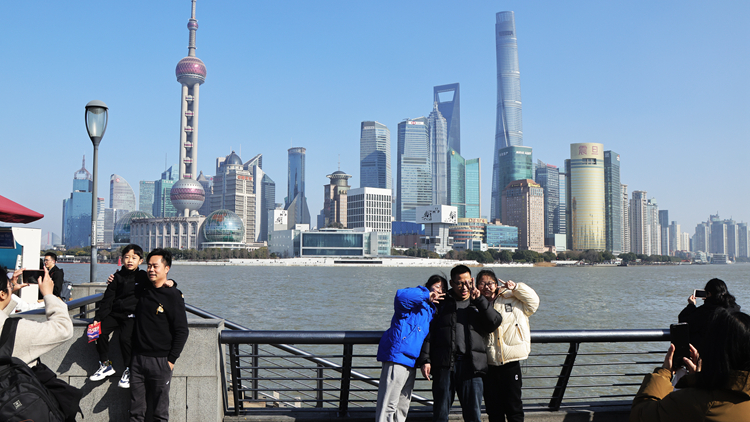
375 156
335 199
146 196
234 190
473 188
625 218
639 233
451 110
464 185
162 198
414 169
512 163
438 132
653 227
523 207
121 195
548 177
586 209
665 241
508 123
77 210
187 194
613 202
295 193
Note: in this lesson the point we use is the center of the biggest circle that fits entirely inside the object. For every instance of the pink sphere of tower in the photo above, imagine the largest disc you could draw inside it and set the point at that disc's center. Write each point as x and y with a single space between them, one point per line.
187 194
190 71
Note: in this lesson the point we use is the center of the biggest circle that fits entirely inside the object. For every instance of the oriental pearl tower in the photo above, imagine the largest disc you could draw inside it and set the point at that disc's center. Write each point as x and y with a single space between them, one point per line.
187 194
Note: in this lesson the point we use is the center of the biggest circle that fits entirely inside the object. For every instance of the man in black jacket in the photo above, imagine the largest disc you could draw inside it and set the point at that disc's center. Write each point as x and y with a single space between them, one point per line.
55 273
454 351
160 334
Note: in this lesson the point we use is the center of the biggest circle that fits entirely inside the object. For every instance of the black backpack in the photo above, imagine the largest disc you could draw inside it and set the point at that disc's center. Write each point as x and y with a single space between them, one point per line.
22 396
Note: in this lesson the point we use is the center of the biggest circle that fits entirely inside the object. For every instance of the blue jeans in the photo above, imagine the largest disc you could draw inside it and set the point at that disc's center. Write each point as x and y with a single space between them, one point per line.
449 381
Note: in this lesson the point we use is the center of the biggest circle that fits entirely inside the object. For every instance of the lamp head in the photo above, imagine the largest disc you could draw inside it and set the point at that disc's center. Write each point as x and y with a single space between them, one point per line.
96 120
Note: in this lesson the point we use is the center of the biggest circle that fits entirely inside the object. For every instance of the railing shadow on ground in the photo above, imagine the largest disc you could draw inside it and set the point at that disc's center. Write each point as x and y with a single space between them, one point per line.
266 373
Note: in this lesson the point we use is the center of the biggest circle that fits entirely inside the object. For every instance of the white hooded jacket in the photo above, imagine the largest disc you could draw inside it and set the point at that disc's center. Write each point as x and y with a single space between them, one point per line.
512 340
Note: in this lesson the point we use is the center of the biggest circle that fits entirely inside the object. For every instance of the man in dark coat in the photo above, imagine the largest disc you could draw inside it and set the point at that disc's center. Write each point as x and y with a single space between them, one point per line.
454 352
55 273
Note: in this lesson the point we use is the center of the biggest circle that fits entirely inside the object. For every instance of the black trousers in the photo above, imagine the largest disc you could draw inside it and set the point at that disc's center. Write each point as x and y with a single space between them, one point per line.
502 392
109 325
150 378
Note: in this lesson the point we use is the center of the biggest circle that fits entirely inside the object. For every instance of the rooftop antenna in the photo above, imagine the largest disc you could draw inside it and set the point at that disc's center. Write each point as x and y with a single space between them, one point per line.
339 162
165 161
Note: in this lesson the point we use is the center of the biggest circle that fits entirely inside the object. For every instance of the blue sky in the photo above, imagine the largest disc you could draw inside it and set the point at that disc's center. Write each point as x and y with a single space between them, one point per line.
664 84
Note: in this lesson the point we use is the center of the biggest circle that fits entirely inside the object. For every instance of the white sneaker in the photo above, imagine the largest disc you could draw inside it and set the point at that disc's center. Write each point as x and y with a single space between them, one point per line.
105 370
125 380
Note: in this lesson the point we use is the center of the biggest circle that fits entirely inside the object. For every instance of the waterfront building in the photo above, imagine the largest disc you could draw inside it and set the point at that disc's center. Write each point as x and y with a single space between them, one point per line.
413 168
370 208
743 241
702 237
473 170
335 200
234 190
508 122
222 229
586 206
464 185
121 195
438 133
207 182
162 199
437 220
612 202
111 216
406 234
296 201
624 218
162 232
277 221
513 163
665 245
265 196
187 194
523 207
448 102
548 177
639 241
375 155
100 223
718 235
123 227
560 225
146 195
500 236
76 226
732 238
653 227
675 239
469 229
685 242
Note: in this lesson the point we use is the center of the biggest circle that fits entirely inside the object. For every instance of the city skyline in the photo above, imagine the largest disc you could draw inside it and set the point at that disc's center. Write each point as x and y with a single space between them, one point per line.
577 88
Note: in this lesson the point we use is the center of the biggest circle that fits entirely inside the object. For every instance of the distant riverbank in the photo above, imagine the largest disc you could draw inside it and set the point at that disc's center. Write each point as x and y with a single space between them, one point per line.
350 262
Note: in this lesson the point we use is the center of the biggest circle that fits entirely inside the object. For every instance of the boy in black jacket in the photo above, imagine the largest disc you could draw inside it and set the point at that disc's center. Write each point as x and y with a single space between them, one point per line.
116 310
160 334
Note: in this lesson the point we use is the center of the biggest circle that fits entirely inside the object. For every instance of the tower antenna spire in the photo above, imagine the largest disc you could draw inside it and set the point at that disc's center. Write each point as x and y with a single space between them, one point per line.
192 26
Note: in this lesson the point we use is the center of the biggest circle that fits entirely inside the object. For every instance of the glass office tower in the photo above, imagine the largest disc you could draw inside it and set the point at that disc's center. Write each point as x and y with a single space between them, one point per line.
613 202
438 131
448 101
146 195
162 189
375 156
121 195
77 210
586 224
513 163
464 186
548 177
508 123
473 188
414 169
295 195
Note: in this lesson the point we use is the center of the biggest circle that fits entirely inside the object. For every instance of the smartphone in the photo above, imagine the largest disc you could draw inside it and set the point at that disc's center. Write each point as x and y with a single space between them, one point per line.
679 335
699 293
32 276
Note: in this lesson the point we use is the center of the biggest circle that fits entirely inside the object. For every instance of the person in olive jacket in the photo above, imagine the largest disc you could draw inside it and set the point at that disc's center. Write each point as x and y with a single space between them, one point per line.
454 352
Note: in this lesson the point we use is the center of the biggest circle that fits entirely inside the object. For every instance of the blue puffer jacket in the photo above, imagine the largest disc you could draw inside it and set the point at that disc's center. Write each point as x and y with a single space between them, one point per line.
409 326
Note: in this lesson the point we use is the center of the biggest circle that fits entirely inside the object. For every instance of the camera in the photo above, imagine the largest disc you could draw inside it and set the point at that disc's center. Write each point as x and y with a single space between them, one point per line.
699 293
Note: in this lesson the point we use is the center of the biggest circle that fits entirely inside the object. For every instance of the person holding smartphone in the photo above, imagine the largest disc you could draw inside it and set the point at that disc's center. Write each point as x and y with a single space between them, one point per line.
698 317
454 352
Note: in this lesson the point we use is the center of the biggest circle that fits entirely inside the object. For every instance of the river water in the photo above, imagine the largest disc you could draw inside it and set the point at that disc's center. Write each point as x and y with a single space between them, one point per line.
361 298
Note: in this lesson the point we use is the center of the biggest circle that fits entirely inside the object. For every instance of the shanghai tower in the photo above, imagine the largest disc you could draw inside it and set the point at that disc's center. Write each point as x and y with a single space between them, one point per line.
508 126
187 194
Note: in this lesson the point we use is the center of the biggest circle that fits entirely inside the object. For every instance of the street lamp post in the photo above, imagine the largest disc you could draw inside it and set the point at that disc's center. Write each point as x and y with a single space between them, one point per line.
96 124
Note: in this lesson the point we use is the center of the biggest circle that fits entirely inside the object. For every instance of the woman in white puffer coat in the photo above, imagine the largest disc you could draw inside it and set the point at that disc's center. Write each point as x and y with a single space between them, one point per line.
507 345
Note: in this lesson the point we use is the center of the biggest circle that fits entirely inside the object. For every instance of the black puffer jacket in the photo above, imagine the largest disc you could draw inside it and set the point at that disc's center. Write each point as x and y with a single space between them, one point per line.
119 299
437 349
699 318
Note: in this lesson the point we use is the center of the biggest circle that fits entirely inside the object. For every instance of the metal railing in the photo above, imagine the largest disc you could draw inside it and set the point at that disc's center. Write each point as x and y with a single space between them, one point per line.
267 371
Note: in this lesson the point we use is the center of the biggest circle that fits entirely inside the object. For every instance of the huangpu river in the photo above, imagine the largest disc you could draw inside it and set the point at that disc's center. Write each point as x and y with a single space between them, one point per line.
361 298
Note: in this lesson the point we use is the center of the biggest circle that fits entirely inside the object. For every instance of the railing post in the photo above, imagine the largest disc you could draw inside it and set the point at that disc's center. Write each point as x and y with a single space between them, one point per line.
562 380
319 395
346 378
256 376
234 365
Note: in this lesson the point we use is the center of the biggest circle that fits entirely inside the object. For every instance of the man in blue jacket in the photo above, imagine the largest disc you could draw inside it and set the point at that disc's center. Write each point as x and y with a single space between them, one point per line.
400 345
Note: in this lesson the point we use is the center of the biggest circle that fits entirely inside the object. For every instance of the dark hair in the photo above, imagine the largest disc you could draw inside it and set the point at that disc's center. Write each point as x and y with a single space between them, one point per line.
727 348
51 255
434 279
133 247
165 255
720 295
486 273
5 279
458 270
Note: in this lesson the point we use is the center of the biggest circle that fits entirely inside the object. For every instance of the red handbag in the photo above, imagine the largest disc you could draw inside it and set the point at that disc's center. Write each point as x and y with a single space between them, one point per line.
94 330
